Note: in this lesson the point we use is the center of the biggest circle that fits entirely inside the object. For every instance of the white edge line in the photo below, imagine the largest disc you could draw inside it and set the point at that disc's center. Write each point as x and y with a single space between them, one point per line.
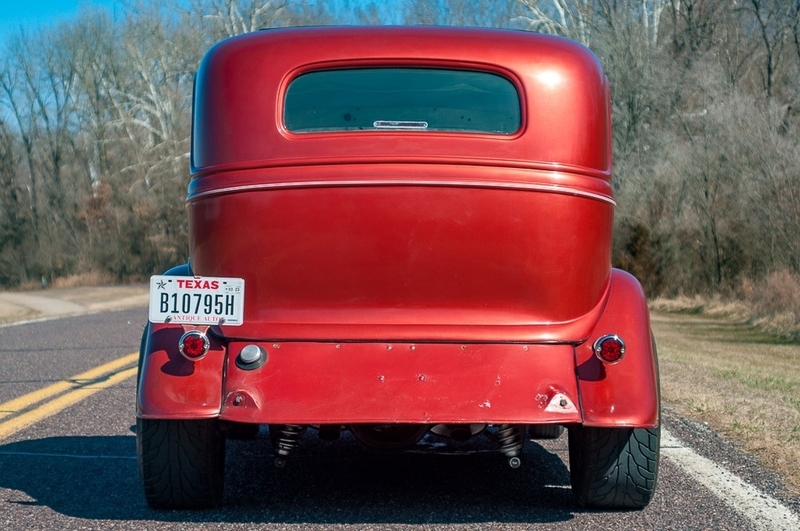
764 512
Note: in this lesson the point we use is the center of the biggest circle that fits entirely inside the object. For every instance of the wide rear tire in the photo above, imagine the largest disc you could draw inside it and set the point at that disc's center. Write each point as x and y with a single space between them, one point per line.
613 468
181 462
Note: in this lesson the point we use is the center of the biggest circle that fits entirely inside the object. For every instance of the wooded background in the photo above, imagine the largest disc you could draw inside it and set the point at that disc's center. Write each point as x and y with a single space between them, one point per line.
95 125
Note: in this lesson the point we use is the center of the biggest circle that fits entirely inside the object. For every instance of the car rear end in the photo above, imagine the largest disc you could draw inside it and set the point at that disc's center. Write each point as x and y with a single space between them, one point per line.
419 221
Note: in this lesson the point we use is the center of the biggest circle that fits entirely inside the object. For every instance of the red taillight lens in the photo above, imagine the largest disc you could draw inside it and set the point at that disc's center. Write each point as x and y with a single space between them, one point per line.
193 345
609 349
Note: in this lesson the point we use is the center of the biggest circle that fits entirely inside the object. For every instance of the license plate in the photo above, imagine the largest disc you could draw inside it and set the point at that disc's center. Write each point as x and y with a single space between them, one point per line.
197 300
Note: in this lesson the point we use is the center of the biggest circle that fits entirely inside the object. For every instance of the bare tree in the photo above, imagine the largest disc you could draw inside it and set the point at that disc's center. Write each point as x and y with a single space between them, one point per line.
227 18
37 90
16 229
569 18
499 13
693 24
774 21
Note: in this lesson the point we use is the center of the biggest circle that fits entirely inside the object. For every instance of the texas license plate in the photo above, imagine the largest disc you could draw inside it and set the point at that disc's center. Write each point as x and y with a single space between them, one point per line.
197 300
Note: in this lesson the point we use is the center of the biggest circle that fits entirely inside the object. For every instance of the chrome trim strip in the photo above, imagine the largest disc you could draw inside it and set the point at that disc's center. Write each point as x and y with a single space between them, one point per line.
458 184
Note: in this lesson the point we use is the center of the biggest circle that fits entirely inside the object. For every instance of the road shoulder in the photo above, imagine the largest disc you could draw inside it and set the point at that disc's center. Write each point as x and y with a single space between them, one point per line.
59 302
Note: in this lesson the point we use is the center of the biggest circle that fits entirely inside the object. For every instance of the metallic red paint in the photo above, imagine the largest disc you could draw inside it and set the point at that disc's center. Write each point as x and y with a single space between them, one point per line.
172 387
241 85
624 393
408 262
488 254
344 383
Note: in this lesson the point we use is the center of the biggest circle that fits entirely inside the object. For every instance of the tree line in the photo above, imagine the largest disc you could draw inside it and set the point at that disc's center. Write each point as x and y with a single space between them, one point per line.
95 126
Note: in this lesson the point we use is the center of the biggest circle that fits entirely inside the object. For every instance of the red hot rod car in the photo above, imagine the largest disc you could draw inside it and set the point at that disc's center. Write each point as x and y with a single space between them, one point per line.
399 233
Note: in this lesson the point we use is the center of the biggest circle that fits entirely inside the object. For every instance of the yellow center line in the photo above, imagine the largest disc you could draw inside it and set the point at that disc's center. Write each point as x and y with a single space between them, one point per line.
83 386
18 404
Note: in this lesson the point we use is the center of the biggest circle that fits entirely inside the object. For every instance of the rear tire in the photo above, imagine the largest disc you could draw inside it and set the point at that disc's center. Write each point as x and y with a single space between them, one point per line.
181 462
614 468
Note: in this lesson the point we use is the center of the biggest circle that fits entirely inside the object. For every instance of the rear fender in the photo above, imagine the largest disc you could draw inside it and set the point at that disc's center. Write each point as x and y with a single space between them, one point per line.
626 393
171 386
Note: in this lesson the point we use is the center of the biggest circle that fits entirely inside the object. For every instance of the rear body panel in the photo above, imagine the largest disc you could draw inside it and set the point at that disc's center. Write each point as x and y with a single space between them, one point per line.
439 262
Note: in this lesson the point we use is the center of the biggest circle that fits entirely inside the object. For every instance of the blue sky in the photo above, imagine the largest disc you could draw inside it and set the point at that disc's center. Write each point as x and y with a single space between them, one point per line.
34 13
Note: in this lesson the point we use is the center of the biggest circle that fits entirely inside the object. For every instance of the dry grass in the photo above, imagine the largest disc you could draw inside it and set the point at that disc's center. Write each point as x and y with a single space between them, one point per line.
13 313
698 305
775 303
92 278
771 303
743 382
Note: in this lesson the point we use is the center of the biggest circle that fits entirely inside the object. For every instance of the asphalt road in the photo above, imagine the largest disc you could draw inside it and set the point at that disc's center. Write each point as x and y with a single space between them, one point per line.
76 468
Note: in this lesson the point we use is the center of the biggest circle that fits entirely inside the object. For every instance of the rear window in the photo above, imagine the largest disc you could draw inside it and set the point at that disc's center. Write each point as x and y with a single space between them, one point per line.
415 99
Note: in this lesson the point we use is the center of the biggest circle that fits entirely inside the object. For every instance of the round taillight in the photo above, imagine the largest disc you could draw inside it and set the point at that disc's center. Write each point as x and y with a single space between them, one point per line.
193 345
609 349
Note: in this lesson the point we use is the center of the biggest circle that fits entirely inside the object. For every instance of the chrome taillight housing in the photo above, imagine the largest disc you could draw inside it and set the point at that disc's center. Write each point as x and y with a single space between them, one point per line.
194 345
609 349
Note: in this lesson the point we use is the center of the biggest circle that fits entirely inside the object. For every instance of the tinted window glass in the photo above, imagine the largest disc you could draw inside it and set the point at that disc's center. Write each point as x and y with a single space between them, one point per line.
402 99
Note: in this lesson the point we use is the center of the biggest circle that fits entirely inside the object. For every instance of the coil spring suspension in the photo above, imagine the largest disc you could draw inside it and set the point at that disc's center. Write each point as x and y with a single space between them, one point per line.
285 438
510 440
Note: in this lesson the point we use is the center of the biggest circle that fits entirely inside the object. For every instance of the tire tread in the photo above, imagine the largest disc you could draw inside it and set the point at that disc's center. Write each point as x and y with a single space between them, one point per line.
181 462
614 468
